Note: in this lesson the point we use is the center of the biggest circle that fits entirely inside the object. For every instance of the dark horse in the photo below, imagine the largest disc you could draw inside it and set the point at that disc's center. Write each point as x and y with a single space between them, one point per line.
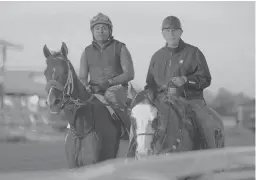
166 125
93 135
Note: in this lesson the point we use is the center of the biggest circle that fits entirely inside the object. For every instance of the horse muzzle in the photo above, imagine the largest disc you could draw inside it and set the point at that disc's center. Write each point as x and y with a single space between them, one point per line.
54 103
51 99
143 155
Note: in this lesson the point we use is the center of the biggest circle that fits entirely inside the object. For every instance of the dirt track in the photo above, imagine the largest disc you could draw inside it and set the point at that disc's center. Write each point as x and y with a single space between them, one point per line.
51 156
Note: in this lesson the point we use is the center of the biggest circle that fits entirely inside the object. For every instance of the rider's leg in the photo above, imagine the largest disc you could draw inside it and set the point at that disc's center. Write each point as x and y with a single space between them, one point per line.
117 97
203 121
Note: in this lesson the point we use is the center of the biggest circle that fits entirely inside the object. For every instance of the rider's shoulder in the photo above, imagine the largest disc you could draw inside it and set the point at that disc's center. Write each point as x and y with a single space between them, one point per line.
159 52
191 47
88 47
119 42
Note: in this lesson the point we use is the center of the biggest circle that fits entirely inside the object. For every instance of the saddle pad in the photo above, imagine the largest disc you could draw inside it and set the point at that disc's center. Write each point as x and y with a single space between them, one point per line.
102 99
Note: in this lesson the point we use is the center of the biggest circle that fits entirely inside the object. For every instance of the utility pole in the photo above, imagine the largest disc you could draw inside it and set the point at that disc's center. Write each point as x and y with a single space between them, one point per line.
4 45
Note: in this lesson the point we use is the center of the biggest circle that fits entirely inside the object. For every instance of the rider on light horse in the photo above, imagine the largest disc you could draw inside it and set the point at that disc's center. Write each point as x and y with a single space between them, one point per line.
185 67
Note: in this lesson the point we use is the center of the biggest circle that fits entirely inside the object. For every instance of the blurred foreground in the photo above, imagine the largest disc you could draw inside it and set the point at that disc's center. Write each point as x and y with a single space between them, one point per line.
225 164
33 140
48 153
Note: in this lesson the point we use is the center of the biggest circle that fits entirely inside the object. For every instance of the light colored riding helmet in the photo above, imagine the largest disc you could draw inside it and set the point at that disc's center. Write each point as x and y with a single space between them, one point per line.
101 19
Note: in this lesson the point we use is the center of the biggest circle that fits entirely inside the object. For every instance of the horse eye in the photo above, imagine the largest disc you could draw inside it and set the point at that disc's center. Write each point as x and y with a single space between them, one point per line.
66 96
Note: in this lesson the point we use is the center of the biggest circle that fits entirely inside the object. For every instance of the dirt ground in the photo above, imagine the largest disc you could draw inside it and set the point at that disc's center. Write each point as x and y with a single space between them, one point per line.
48 156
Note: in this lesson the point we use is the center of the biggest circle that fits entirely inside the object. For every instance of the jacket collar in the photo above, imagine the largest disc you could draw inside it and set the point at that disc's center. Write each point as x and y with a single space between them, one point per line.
180 47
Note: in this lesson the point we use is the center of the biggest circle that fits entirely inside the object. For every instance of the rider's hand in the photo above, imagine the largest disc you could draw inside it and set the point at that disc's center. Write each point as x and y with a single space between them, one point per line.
104 86
87 87
172 90
94 89
179 81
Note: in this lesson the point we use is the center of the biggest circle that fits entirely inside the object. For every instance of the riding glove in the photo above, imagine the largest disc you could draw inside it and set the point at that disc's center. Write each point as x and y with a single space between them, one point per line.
179 81
104 86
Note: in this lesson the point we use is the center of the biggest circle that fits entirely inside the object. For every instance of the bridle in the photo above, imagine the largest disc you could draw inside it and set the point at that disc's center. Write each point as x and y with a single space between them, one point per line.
67 89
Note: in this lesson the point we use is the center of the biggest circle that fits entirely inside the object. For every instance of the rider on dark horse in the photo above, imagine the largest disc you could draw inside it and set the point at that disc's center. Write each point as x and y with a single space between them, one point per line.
109 64
185 68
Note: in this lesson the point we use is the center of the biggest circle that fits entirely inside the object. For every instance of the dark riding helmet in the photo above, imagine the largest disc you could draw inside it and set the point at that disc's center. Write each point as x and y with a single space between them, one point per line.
171 22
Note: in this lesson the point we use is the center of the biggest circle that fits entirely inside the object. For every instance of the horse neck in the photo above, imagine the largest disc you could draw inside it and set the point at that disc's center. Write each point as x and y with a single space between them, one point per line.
79 91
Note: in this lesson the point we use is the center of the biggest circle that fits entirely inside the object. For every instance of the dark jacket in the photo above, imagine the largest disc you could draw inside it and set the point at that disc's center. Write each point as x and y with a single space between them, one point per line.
185 60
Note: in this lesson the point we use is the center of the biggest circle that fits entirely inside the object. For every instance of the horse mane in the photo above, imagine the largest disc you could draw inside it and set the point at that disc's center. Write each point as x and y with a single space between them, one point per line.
78 86
140 97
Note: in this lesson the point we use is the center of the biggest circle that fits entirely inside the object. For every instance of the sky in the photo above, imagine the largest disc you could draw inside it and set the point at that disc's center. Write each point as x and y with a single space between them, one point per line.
223 31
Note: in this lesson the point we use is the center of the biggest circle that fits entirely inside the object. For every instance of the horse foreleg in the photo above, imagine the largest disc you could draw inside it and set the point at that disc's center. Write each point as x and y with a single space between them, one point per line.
90 148
110 146
71 150
82 151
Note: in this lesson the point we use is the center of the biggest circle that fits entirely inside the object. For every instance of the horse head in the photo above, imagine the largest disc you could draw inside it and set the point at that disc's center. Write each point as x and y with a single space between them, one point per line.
63 84
150 125
144 120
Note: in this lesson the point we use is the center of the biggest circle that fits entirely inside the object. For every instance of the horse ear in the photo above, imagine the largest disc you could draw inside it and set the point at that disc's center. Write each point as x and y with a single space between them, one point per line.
133 91
64 49
46 51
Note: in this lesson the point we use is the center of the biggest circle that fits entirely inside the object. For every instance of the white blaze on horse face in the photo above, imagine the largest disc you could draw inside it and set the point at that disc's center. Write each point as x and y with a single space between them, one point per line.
144 114
50 99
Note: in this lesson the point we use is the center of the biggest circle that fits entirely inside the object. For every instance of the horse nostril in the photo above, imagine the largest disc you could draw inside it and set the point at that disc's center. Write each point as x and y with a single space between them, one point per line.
57 101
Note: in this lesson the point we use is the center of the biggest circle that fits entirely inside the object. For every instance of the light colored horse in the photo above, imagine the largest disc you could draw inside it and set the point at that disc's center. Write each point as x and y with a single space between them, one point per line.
156 135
